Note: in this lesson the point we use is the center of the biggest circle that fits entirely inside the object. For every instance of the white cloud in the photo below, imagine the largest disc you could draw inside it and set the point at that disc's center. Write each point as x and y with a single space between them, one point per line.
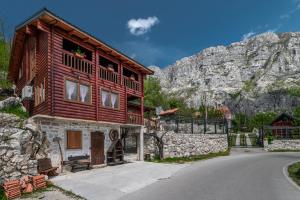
141 26
285 16
248 35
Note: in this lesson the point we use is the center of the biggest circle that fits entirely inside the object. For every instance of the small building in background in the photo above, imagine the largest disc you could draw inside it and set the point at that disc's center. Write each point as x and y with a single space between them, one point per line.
282 126
227 114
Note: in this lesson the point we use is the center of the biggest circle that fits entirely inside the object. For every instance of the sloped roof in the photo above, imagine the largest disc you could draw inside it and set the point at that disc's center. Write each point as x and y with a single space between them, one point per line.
50 18
283 117
169 112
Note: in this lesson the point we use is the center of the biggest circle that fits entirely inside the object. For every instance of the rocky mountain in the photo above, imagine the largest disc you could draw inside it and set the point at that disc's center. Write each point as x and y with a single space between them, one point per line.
261 73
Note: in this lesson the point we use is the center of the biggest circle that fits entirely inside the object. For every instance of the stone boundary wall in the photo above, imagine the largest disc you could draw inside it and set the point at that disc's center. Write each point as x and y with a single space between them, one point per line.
19 148
282 145
183 145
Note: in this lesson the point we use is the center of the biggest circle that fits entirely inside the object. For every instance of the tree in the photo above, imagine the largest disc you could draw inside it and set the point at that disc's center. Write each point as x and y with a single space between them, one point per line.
4 57
296 114
153 95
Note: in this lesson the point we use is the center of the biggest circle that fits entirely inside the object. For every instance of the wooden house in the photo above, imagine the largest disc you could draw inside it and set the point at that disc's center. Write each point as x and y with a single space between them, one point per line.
76 86
283 126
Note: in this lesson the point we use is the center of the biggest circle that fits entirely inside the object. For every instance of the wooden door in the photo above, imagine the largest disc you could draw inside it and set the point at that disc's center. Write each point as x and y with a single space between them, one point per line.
97 148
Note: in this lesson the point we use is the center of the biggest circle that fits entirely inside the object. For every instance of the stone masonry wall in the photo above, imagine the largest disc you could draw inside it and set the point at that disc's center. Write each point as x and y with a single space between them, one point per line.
19 147
58 128
282 145
179 145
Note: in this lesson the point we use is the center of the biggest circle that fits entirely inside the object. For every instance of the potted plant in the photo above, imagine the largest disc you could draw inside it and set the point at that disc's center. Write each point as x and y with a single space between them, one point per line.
132 78
79 54
110 68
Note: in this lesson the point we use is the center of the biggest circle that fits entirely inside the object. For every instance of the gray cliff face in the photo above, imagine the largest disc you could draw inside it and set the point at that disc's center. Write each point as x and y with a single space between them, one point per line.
239 75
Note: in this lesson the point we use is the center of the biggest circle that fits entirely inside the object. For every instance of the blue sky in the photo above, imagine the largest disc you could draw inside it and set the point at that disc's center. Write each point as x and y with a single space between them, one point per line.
161 32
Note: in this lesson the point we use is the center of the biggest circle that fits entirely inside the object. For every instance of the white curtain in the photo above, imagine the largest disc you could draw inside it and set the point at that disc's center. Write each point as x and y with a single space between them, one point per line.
114 99
70 88
83 92
104 96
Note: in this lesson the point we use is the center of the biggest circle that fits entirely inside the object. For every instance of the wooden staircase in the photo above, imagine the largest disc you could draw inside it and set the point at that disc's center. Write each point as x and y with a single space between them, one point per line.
115 153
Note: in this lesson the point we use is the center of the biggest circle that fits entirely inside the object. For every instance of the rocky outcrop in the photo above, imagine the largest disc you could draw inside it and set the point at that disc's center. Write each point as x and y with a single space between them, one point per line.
254 74
21 143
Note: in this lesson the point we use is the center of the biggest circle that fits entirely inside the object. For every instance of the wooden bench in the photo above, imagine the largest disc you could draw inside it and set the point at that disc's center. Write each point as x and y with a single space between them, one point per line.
45 167
78 163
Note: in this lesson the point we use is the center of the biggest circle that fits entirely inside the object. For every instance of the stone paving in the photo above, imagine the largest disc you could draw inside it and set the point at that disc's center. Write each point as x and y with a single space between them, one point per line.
111 183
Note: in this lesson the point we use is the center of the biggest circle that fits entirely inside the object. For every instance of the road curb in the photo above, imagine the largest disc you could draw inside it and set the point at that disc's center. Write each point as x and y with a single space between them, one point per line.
286 174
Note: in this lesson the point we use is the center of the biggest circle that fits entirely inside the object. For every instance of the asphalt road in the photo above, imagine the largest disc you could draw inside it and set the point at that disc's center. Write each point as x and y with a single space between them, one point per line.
243 176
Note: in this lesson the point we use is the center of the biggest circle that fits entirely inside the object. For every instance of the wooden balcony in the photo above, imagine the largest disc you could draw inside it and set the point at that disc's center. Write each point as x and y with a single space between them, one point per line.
79 64
106 74
131 84
133 118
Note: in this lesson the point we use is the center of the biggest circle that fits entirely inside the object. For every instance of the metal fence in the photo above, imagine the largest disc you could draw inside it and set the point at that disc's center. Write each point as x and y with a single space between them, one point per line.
193 125
282 132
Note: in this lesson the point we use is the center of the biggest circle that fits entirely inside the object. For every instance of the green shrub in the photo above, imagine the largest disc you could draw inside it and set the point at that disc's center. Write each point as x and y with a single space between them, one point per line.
16 110
2 195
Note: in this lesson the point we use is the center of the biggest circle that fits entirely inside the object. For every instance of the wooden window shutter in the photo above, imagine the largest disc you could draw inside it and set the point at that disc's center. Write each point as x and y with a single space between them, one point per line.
74 140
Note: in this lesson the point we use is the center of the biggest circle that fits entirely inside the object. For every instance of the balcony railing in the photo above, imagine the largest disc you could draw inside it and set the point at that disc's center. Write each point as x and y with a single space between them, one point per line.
79 64
133 118
105 74
135 85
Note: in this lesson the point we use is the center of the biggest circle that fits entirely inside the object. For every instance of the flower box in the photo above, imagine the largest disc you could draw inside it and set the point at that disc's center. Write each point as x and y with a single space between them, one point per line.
78 55
132 78
110 69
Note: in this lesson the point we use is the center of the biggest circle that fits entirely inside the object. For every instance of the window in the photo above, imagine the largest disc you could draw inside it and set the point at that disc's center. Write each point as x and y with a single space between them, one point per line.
71 90
21 69
32 57
39 93
74 140
76 91
85 93
110 99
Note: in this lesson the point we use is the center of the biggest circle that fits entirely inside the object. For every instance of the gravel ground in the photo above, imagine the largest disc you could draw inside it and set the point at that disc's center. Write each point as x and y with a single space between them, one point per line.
50 193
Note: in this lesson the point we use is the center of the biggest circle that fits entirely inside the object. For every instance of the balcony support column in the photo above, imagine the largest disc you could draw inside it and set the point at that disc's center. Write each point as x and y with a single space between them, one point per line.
141 144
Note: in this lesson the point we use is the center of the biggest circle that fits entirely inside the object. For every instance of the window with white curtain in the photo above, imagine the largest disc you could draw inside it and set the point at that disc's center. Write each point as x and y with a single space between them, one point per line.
76 91
110 99
71 90
85 93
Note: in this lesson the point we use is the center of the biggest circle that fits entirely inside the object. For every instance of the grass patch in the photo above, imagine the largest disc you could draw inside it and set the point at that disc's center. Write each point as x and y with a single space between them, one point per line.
294 172
285 150
5 84
50 187
16 110
2 195
182 160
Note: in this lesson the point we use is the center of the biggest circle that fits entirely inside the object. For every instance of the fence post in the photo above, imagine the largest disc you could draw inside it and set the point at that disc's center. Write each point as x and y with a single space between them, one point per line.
204 125
177 119
215 127
192 125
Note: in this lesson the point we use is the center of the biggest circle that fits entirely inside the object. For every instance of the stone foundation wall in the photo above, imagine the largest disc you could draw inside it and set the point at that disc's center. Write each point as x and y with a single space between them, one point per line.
282 145
19 148
58 128
179 145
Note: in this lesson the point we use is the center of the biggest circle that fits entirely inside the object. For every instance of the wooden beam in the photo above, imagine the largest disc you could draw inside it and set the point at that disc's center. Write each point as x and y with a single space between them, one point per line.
86 39
28 30
71 32
41 26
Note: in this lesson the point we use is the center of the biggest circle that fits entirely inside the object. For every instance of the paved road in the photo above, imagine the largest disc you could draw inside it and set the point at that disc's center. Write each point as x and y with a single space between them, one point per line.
243 176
